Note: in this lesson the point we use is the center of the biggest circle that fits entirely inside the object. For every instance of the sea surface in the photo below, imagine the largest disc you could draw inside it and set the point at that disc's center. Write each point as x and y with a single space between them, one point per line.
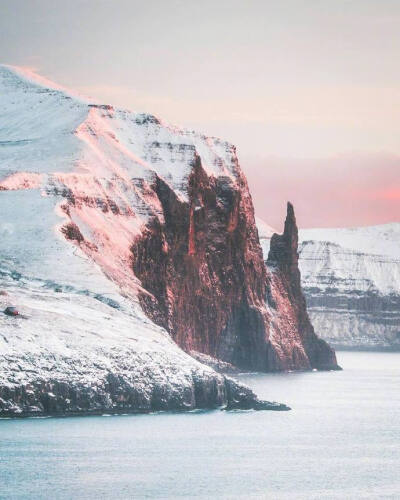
341 441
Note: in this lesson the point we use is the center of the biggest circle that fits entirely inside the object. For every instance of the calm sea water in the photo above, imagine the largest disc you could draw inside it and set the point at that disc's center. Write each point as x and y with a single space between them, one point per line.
341 440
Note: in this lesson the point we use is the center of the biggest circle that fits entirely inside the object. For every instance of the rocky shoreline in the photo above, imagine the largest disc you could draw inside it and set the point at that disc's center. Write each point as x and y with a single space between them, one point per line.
117 396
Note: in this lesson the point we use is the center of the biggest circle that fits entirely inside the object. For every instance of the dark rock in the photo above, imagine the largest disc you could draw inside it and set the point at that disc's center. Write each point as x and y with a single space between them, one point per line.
204 271
11 311
293 332
72 232
115 395
206 283
241 397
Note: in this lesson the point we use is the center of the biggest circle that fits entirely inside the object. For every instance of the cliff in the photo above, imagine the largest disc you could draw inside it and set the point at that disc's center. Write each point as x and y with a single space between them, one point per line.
351 280
291 330
208 286
78 346
151 228
204 270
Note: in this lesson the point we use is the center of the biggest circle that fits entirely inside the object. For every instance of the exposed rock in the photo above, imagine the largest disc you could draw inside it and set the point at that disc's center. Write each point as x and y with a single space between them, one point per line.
242 398
117 394
204 269
291 332
72 232
11 311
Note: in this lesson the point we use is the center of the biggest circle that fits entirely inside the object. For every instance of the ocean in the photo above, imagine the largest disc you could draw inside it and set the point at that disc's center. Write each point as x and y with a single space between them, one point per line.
340 441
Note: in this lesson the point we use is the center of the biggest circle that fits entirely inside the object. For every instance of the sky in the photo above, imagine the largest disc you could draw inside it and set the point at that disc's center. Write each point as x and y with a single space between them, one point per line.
308 90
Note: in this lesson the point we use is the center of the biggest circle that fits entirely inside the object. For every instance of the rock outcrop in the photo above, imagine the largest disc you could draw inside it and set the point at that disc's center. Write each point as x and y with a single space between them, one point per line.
291 332
204 269
118 394
209 288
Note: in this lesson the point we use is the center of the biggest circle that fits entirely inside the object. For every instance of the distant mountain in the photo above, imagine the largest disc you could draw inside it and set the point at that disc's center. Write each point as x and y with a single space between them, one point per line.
125 244
351 280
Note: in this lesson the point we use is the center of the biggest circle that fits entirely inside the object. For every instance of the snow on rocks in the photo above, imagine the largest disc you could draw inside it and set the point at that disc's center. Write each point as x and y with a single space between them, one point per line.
97 163
75 351
75 182
351 279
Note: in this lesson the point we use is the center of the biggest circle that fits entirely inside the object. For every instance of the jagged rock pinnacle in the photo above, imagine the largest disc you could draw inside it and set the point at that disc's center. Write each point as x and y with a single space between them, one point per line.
285 296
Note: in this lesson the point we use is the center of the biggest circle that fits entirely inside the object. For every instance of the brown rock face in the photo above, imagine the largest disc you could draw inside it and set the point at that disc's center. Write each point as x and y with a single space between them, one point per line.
205 281
204 270
291 331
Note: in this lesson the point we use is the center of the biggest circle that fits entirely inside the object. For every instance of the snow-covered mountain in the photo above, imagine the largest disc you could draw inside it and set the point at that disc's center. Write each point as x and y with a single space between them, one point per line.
122 238
75 190
351 279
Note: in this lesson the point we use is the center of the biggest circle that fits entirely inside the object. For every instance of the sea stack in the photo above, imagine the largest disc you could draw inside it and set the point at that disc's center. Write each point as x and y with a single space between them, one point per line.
291 330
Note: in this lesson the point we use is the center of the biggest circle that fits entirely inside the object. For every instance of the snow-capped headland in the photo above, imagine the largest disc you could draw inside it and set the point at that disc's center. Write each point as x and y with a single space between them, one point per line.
124 240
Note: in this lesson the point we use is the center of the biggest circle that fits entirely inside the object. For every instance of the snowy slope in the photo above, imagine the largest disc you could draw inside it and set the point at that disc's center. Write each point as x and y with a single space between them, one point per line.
369 262
352 283
100 157
383 239
73 171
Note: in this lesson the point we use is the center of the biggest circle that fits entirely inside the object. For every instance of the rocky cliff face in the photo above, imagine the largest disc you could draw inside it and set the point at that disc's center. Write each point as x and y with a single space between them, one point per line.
351 279
292 333
204 270
206 283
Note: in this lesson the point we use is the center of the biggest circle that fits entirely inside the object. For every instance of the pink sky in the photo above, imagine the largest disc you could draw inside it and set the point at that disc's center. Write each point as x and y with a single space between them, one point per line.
282 80
346 190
